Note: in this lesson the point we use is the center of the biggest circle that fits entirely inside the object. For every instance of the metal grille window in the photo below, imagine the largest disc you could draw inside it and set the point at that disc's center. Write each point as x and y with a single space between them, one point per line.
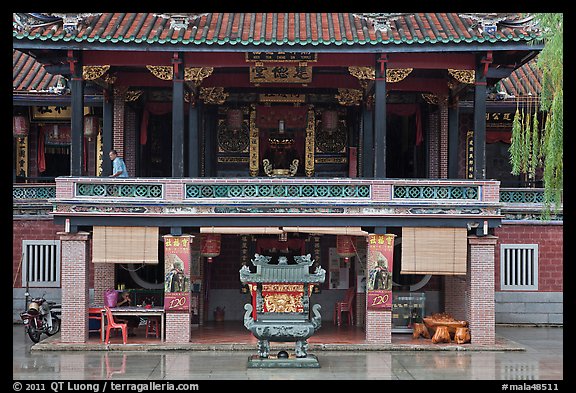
41 263
519 267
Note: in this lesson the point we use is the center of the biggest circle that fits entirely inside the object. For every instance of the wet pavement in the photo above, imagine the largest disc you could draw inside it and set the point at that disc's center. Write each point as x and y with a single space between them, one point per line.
541 358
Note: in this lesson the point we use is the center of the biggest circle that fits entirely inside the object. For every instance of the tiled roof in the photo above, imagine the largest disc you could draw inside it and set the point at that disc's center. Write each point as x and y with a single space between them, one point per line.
262 29
523 81
28 75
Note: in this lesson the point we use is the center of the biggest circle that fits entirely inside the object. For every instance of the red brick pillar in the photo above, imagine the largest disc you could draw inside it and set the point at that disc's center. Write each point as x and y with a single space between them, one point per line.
119 117
104 278
443 145
378 322
177 254
480 289
74 279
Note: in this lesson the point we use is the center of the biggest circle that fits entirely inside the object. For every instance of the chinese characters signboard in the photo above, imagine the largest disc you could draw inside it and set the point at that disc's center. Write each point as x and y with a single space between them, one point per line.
379 283
280 74
177 256
470 155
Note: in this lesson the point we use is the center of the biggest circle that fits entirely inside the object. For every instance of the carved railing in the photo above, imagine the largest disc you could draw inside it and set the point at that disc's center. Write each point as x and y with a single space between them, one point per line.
33 192
32 199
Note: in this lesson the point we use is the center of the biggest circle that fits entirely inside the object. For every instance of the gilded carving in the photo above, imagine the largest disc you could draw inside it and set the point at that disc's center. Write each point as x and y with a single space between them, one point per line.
233 141
394 75
430 98
349 97
463 76
363 73
90 73
254 137
133 95
309 148
213 95
283 302
300 98
161 72
99 147
197 74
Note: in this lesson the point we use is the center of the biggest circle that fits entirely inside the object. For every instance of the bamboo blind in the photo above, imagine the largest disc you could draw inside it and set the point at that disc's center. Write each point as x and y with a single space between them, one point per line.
125 245
434 251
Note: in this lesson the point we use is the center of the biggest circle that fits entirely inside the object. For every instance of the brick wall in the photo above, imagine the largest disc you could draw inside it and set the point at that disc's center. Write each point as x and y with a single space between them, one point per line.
443 142
177 327
75 299
550 252
433 144
118 128
454 295
479 296
33 229
104 278
130 138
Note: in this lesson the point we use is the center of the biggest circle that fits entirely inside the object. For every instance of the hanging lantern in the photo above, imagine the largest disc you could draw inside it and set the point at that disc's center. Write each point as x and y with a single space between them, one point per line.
210 246
20 126
90 126
234 119
330 120
345 247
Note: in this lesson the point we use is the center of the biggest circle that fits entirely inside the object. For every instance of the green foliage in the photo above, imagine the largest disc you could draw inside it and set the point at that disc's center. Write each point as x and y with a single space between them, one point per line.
531 147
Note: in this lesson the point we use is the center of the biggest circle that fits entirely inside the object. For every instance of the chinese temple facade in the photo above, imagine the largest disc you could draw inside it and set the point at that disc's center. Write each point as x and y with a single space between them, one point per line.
280 134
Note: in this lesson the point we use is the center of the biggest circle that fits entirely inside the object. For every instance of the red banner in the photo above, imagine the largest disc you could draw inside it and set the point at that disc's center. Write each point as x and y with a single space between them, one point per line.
177 255
379 284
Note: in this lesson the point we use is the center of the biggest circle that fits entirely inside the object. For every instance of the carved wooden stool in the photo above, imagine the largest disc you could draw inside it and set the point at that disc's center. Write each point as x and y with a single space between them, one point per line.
420 330
442 335
462 335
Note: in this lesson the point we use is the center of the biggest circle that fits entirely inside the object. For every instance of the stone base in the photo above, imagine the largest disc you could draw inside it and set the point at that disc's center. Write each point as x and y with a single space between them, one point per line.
310 361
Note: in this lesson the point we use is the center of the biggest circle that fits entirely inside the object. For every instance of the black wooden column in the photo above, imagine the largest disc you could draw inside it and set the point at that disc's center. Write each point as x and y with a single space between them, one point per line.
368 142
480 121
453 131
193 139
107 130
380 117
77 116
178 116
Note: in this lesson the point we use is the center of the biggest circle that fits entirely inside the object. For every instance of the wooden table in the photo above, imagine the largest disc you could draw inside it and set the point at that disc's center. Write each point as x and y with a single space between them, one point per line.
136 312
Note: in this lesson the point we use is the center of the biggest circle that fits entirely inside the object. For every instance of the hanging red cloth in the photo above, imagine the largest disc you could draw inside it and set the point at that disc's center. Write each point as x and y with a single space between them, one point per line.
155 108
408 110
41 152
493 136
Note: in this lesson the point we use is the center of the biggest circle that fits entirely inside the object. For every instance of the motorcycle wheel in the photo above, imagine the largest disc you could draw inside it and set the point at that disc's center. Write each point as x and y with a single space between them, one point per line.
55 327
34 333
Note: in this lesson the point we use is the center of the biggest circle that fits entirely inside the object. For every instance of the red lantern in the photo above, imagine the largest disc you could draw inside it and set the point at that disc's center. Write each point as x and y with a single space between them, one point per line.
330 120
210 246
20 126
90 125
345 246
234 119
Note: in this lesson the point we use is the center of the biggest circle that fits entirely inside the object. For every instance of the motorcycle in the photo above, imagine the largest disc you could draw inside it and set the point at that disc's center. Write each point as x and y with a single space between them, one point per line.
42 316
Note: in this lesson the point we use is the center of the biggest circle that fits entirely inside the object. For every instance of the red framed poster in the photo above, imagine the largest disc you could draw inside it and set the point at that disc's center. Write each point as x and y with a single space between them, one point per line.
379 283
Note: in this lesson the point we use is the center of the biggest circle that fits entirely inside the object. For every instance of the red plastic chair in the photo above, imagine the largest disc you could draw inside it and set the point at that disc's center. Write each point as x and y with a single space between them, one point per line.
345 306
114 325
152 326
95 313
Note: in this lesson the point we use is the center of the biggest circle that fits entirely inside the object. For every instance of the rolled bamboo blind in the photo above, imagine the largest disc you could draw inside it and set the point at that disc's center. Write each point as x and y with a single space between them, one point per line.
434 251
125 245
